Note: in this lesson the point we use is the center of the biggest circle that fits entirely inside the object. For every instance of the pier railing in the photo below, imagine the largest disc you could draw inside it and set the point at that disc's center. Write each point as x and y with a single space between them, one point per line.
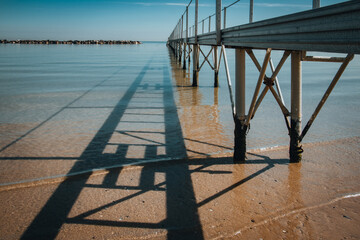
333 29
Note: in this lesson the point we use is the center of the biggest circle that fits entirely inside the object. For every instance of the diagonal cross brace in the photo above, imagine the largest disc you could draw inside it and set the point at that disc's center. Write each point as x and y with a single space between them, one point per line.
269 82
336 78
258 85
206 58
188 52
223 52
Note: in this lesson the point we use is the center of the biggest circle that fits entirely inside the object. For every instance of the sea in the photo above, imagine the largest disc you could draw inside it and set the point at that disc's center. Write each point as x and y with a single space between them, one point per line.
133 101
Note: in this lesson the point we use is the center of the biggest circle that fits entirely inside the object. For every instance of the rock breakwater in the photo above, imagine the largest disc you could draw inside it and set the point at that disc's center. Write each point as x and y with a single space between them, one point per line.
89 42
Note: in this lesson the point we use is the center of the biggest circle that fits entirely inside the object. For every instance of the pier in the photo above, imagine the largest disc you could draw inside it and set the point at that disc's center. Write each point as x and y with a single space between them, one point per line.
331 29
136 141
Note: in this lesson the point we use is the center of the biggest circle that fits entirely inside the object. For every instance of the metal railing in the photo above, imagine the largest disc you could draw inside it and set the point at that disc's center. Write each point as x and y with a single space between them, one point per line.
182 29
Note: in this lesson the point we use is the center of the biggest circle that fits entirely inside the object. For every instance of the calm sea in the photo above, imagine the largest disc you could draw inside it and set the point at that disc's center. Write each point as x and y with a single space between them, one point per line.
41 84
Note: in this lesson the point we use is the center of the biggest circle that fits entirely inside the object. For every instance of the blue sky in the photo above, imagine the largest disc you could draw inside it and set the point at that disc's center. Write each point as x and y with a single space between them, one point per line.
122 19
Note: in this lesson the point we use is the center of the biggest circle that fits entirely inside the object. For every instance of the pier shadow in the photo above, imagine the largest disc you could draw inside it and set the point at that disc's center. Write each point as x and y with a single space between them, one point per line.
182 218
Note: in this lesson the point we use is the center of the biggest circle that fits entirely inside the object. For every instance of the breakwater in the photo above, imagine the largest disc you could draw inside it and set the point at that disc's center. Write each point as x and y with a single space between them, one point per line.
86 42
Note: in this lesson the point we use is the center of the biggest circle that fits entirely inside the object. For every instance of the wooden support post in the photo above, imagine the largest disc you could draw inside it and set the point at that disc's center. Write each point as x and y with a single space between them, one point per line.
181 36
189 51
187 37
240 127
251 11
316 4
218 22
196 19
216 66
196 49
209 23
187 24
184 57
195 65
295 150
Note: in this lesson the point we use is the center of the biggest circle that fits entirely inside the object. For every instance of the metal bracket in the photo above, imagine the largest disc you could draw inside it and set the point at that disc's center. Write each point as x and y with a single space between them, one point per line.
268 81
320 58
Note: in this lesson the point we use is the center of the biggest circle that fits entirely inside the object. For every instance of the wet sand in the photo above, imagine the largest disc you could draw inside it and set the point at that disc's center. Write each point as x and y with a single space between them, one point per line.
137 153
202 198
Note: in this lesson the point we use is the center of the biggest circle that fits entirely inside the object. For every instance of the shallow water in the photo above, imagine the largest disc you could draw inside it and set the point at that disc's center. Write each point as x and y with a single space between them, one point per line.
67 109
54 99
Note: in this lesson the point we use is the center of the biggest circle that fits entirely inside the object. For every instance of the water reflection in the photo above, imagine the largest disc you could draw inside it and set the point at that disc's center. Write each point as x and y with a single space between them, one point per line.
296 202
200 118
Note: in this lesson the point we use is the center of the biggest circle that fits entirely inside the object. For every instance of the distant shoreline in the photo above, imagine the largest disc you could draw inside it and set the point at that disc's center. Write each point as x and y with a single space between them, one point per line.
70 42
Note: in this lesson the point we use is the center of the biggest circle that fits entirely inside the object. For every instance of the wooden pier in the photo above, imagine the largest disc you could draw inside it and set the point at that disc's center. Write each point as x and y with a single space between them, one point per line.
333 29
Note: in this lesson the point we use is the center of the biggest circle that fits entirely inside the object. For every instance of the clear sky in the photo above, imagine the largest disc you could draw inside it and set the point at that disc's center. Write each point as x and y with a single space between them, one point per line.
121 19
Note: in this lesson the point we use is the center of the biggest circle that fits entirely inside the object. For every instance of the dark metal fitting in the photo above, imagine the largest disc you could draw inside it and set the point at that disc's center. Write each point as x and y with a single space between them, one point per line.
299 149
296 154
268 81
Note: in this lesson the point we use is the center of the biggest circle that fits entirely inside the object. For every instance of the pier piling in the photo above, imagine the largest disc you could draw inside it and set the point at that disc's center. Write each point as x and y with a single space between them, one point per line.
195 65
184 58
216 66
295 149
240 127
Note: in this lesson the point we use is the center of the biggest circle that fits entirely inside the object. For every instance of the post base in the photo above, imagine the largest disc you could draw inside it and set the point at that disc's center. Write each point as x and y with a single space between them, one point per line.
216 79
195 78
240 141
295 150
